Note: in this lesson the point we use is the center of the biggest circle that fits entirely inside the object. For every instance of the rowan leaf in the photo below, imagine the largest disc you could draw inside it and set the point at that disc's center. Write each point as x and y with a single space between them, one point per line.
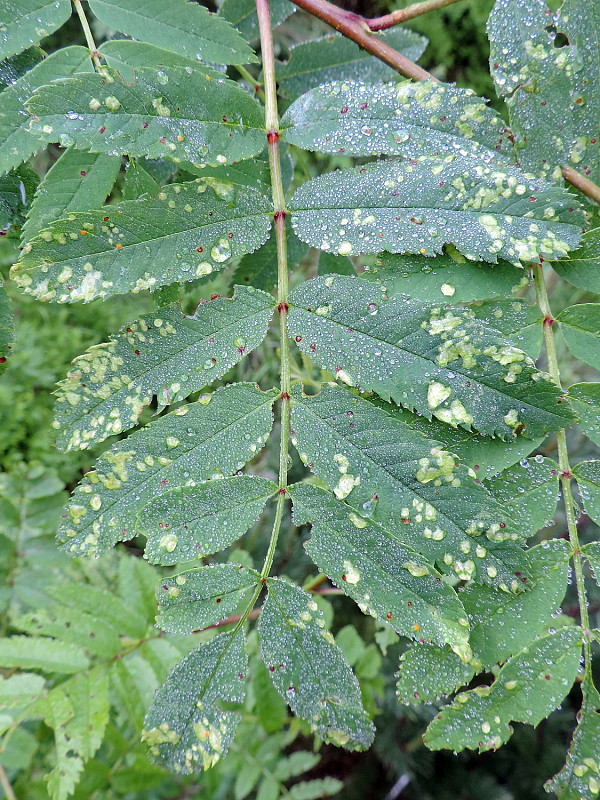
581 267
179 25
89 631
187 231
438 360
210 438
78 181
17 142
127 56
191 522
406 483
186 727
527 689
591 552
408 119
529 491
585 400
524 616
488 212
16 193
242 15
179 113
48 655
587 474
379 572
309 670
20 689
26 22
15 67
332 57
194 600
515 319
137 182
167 355
579 779
428 672
580 325
260 268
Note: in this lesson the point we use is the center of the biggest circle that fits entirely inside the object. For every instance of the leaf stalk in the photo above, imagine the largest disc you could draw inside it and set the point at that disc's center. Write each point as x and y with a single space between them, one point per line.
89 36
404 14
579 181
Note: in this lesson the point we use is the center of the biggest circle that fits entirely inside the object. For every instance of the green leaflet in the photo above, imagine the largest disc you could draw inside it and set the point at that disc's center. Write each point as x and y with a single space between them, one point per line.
437 360
16 193
502 624
186 728
17 142
187 231
14 68
260 268
20 689
382 575
449 277
485 211
179 25
193 600
587 474
181 113
527 689
579 779
126 618
427 673
48 655
592 553
138 182
166 354
515 319
89 631
551 90
408 119
309 670
405 482
580 325
210 438
195 521
585 400
333 57
581 267
78 181
126 57
242 14
529 491
26 22
331 264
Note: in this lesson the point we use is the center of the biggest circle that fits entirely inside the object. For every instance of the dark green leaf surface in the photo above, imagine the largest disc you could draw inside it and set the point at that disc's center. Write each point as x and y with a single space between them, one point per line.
408 484
451 278
16 193
138 182
126 57
242 15
309 670
587 474
187 231
427 673
408 119
529 491
486 211
194 521
579 779
515 319
26 22
186 28
437 360
503 624
382 575
585 400
580 325
167 354
260 268
185 114
14 68
582 268
48 655
334 57
17 142
186 727
528 688
78 181
214 437
592 553
193 600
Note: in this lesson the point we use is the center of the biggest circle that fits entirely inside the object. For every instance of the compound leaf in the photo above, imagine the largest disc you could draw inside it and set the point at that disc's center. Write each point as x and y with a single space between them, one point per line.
26 22
528 688
190 115
210 438
78 181
587 474
488 212
309 670
427 673
437 360
581 267
187 231
186 727
408 484
385 577
194 521
580 325
168 355
585 400
184 27
191 601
